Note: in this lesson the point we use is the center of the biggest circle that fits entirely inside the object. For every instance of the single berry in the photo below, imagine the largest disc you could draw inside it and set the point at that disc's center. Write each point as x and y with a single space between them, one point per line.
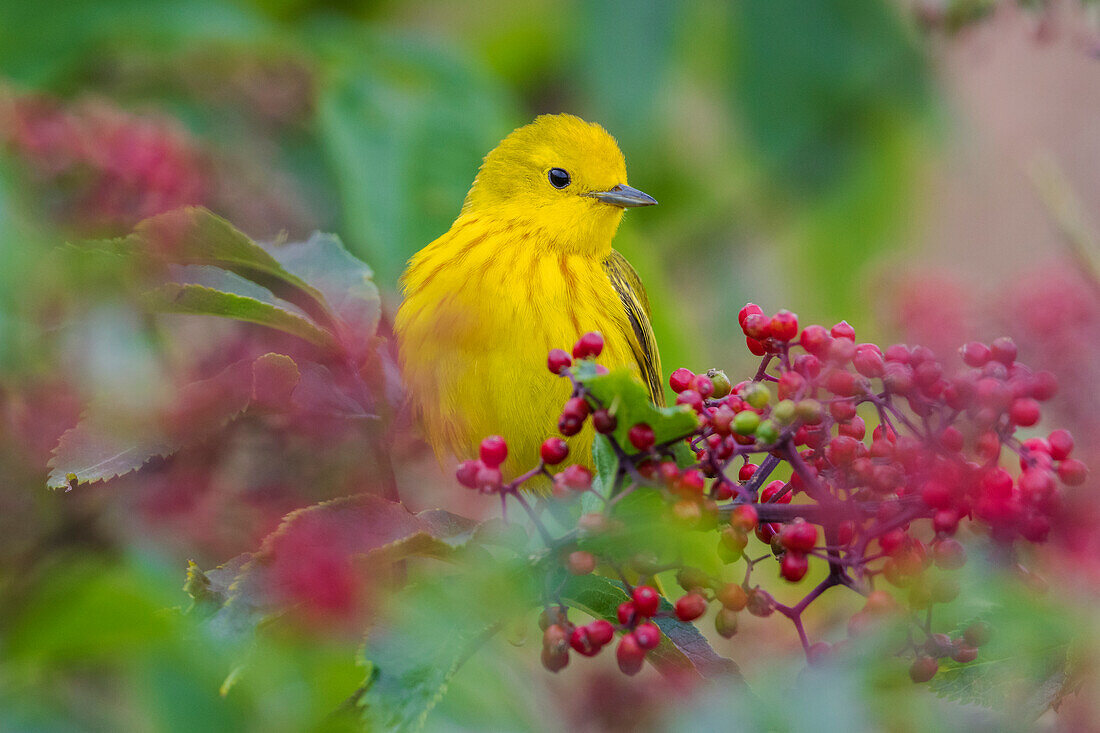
576 477
975 354
744 517
757 326
843 330
603 421
493 451
647 635
1072 472
732 596
748 310
581 562
746 422
964 654
799 536
1061 444
703 385
1003 349
720 381
761 604
680 379
554 661
725 623
582 642
977 634
794 565
923 669
601 632
557 361
784 325
641 436
467 473
690 607
554 451
646 600
627 613
1024 412
489 479
630 655
588 345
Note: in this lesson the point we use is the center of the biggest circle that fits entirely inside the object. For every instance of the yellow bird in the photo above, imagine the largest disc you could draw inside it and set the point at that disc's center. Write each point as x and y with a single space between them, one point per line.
527 267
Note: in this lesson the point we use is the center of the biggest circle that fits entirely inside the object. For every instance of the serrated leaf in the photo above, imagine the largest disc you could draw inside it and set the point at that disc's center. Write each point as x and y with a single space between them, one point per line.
195 236
344 281
682 647
622 393
357 527
102 446
200 300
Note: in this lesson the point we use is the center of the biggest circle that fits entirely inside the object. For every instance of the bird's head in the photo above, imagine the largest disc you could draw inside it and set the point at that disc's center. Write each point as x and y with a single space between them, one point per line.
561 176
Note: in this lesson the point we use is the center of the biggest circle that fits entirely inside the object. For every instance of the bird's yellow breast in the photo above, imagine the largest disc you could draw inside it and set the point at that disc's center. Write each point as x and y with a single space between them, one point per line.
483 305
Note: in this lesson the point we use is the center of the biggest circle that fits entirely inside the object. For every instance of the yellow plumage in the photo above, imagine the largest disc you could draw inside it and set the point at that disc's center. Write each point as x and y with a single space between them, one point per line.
527 267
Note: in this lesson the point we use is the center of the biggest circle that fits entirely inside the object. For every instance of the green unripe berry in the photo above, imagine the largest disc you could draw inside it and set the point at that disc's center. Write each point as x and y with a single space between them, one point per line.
746 422
784 412
767 432
757 395
810 411
721 383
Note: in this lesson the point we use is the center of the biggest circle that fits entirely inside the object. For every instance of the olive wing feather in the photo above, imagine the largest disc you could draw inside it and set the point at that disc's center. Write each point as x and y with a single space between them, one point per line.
636 304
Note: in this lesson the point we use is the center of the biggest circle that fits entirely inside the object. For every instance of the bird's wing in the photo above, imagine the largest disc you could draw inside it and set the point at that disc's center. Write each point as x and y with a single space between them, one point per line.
636 303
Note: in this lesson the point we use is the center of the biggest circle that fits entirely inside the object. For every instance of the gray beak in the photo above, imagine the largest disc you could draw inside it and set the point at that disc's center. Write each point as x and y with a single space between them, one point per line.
624 196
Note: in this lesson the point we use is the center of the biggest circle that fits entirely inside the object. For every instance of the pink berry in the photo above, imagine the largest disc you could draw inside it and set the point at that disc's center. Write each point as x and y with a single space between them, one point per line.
1003 349
843 330
1024 412
799 536
1072 472
975 354
630 655
748 310
467 473
793 566
1061 444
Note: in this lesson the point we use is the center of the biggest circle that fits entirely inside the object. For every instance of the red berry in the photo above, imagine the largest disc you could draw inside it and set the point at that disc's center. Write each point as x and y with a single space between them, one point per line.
757 326
690 607
703 385
581 562
923 669
897 353
784 325
772 491
626 613
1003 349
604 421
936 494
680 379
588 345
964 654
493 451
975 354
1072 472
582 642
748 310
841 351
794 565
746 471
1024 412
554 451
557 361
1061 444
691 398
647 635
601 632
467 473
554 661
630 655
1043 385
755 347
576 477
951 439
641 436
646 600
799 536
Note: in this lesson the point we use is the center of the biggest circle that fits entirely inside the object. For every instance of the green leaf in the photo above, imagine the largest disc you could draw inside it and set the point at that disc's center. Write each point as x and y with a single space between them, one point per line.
413 656
195 236
682 647
404 125
201 300
607 466
621 393
105 444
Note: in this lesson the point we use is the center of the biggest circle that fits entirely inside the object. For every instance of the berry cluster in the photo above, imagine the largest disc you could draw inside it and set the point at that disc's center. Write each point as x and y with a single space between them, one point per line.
887 456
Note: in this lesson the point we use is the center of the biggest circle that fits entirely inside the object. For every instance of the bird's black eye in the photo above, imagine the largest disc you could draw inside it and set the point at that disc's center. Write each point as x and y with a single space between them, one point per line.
559 178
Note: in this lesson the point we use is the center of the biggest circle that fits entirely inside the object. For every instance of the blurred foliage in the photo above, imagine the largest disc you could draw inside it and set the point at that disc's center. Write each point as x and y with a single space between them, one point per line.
782 138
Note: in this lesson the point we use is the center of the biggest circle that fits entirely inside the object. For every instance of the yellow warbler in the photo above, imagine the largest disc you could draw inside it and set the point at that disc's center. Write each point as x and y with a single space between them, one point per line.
527 267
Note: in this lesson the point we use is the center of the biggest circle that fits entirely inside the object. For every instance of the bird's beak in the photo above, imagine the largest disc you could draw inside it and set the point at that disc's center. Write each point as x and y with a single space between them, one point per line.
624 196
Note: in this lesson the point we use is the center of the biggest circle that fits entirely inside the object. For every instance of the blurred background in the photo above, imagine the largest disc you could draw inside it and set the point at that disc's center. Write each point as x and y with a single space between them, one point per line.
927 170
